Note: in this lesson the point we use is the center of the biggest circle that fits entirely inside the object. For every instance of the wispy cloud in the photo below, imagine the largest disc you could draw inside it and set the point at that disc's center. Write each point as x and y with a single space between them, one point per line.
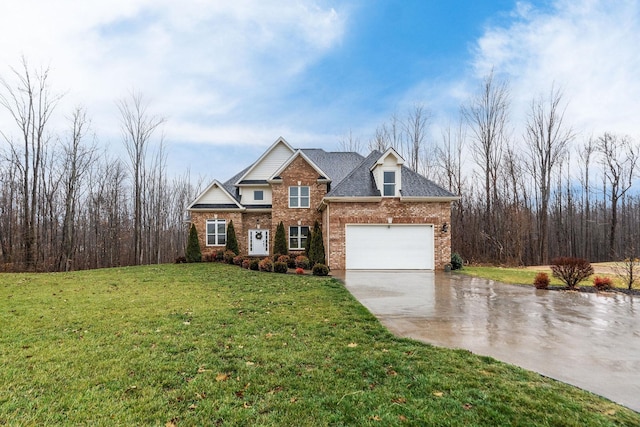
203 64
588 47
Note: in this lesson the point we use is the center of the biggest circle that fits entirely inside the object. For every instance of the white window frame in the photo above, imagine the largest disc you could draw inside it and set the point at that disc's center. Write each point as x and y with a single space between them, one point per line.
298 198
216 238
389 184
298 237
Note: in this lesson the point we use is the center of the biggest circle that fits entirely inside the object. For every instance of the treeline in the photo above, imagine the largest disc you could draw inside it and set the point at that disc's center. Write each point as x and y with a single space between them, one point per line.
65 204
525 198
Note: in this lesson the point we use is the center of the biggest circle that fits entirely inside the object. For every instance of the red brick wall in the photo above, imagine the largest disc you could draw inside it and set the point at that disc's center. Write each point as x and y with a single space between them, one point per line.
298 171
341 214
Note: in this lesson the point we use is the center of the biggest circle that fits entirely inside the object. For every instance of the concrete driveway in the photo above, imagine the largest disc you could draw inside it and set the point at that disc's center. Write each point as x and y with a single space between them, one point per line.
588 340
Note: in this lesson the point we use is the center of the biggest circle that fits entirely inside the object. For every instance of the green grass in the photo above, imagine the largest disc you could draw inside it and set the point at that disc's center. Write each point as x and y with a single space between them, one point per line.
211 344
525 276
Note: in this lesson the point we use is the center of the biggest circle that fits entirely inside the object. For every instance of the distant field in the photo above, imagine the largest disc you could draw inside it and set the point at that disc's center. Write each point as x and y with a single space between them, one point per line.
211 344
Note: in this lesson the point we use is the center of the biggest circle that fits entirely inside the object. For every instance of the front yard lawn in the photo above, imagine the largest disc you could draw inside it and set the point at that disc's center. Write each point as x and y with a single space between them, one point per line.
212 344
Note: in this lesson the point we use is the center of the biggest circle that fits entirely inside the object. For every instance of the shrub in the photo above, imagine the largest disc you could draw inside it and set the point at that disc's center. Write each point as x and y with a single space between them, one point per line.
266 265
181 260
302 262
316 250
456 261
246 263
291 262
299 270
320 270
254 264
232 241
541 281
280 241
283 258
193 253
228 257
280 267
219 256
571 270
237 260
602 283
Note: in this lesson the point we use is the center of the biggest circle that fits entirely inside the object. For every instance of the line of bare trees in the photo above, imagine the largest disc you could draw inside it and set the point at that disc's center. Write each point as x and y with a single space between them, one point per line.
65 204
529 197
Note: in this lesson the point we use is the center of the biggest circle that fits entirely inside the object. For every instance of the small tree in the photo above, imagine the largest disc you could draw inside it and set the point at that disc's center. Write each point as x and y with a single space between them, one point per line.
316 249
232 241
571 270
628 270
280 241
193 253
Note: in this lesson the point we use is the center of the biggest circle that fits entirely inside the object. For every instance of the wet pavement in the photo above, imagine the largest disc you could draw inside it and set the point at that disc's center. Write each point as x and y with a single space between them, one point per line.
588 340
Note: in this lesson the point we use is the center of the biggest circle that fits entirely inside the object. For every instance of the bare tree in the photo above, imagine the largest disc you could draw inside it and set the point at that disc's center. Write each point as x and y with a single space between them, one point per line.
415 130
619 159
77 160
350 143
487 117
138 126
31 105
547 138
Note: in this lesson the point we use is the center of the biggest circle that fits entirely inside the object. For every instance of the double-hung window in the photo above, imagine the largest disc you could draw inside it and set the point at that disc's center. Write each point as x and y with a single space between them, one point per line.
216 232
389 183
298 237
299 197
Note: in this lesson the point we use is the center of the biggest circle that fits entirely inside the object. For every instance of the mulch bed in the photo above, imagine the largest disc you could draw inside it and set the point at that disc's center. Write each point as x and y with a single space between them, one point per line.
593 290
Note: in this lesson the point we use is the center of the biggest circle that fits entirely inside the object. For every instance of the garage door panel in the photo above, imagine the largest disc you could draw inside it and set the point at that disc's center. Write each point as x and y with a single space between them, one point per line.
384 246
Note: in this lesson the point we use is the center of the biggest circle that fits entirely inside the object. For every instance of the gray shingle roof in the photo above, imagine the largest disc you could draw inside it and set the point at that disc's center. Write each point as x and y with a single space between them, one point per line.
360 183
335 164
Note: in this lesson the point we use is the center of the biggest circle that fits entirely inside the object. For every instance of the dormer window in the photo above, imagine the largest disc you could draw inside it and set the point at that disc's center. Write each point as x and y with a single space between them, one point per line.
389 184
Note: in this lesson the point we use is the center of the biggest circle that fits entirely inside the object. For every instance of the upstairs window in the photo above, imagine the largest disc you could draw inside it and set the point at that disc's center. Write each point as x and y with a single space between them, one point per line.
389 184
298 237
216 232
258 195
298 197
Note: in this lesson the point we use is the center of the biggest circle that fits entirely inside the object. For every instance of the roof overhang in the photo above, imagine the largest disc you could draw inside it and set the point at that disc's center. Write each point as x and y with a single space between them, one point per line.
430 199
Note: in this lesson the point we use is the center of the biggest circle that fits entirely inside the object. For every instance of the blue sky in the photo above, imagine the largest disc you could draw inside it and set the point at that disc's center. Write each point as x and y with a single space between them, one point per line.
231 77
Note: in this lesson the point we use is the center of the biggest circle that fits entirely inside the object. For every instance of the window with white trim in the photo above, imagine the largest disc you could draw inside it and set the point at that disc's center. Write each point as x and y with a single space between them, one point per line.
216 232
258 195
389 183
299 197
298 237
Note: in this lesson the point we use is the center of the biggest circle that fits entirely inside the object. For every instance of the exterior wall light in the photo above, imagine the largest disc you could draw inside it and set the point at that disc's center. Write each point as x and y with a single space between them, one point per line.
445 227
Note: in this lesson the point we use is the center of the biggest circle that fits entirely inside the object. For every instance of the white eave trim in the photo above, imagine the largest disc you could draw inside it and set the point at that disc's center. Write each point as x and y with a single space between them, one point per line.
371 199
253 166
430 199
221 187
306 159
217 209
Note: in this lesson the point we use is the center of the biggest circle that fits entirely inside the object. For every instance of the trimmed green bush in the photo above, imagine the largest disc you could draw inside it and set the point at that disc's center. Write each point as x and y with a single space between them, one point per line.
456 261
320 270
193 253
302 262
254 264
291 262
232 241
280 267
266 265
280 241
316 250
229 256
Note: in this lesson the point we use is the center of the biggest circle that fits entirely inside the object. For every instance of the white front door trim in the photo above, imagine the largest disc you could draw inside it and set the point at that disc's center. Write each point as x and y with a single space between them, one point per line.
258 242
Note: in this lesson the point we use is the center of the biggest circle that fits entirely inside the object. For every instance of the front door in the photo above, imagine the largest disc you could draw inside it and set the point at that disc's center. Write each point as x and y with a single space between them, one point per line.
258 242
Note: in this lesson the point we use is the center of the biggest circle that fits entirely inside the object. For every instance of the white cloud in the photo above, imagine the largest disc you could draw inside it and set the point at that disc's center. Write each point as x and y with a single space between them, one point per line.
199 62
589 48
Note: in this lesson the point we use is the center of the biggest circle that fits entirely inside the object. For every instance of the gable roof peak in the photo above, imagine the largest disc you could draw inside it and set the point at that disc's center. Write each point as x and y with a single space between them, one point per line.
278 142
390 152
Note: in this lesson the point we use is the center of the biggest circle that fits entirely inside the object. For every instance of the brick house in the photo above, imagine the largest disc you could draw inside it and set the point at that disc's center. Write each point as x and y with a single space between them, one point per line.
375 213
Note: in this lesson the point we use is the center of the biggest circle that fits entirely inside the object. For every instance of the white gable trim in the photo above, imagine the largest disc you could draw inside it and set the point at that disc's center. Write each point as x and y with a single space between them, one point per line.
279 141
297 154
213 185
390 152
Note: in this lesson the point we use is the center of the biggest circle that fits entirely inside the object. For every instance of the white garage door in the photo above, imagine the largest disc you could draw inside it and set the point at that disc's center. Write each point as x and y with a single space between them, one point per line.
389 247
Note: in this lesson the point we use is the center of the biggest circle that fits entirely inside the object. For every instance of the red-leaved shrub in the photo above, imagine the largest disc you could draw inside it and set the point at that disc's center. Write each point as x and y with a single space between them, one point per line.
541 281
602 283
